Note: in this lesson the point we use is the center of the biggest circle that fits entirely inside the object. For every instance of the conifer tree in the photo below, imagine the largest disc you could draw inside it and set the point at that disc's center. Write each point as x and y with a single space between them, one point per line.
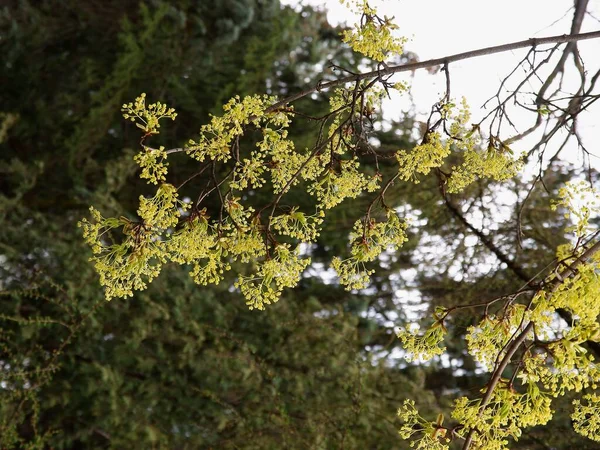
250 208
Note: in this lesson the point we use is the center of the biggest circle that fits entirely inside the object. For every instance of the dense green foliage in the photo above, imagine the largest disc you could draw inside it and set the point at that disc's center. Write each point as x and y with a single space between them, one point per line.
180 365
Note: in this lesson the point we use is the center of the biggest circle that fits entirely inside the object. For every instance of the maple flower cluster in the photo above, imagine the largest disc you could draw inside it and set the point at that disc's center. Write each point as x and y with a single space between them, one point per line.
373 36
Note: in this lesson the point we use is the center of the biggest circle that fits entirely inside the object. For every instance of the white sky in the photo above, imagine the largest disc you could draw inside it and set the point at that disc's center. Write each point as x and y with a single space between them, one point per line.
439 28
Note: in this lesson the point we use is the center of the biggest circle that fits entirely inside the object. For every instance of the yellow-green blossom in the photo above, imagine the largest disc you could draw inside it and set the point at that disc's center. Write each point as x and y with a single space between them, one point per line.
194 241
147 117
422 158
153 164
483 164
211 269
373 37
273 275
424 435
422 347
217 137
586 417
298 225
504 417
579 201
163 210
336 186
123 266
488 338
369 241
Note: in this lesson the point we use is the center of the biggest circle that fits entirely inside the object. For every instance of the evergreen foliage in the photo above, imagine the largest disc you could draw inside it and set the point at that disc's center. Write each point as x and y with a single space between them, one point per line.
256 203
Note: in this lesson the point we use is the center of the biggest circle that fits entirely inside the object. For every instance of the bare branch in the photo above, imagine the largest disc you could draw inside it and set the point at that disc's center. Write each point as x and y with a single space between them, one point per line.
390 70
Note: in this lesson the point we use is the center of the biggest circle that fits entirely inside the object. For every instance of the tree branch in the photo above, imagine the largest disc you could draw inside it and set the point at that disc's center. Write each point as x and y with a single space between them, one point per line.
487 241
518 340
515 268
390 70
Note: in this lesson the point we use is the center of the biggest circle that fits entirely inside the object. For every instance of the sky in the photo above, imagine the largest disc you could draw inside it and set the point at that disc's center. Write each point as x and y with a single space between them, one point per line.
437 28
